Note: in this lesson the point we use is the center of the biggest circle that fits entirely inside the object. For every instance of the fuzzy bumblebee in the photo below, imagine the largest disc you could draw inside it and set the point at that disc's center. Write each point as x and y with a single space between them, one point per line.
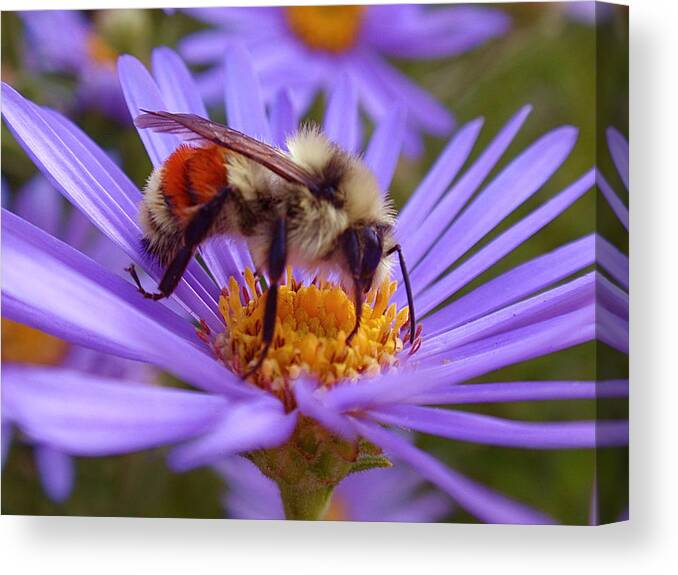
315 207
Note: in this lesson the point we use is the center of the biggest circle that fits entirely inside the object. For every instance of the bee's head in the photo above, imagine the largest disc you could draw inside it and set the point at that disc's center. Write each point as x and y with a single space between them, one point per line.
363 248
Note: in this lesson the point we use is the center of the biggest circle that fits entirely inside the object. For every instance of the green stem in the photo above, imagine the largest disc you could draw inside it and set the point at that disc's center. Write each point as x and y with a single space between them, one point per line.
304 504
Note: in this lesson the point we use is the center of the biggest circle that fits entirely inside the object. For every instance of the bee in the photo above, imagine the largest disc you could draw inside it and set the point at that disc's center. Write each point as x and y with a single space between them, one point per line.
315 207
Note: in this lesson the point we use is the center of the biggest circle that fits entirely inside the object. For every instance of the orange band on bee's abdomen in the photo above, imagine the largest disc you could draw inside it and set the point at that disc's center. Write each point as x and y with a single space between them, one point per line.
191 177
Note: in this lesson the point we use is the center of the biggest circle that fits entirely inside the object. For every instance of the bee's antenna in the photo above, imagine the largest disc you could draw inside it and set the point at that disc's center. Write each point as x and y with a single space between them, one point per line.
408 289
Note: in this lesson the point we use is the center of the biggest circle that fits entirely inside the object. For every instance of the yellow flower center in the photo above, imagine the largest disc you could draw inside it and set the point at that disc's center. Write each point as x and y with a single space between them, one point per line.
101 51
23 344
310 334
333 29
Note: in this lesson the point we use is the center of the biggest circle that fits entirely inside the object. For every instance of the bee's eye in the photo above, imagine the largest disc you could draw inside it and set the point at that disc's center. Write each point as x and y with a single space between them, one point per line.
372 252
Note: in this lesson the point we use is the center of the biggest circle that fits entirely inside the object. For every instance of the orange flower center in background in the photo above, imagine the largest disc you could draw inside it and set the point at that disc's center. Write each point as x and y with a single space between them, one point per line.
333 29
23 344
310 335
101 51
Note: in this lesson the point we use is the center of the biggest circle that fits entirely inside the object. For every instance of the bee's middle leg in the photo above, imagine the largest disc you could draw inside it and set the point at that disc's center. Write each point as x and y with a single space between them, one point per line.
277 260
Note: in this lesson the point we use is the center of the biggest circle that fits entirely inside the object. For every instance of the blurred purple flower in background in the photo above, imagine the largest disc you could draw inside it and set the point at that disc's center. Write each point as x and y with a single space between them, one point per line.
66 42
307 49
588 12
392 494
539 307
27 350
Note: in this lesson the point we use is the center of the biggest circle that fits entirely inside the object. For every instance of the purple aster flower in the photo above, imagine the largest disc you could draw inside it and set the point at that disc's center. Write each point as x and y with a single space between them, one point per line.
307 49
66 42
337 411
27 349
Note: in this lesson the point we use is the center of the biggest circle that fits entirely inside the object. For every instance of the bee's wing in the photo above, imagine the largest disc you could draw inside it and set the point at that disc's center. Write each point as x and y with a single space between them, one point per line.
194 128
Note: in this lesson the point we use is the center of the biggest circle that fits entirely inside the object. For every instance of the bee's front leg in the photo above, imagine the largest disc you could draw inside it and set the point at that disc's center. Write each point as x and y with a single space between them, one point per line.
277 260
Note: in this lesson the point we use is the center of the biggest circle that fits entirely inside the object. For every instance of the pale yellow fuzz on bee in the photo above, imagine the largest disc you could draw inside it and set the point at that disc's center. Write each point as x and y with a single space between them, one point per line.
310 335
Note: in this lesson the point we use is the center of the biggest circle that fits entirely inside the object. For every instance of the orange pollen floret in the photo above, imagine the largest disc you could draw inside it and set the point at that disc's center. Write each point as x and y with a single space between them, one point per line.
333 29
24 344
310 334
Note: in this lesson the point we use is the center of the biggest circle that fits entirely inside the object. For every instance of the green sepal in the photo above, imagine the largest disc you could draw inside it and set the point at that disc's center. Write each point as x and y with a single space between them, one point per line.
311 464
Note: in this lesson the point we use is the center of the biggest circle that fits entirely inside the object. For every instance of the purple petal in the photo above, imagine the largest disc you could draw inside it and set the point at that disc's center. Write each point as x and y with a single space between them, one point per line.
437 33
50 286
423 110
371 494
580 321
612 297
99 89
244 427
612 330
512 286
315 409
495 250
471 360
38 203
619 150
56 471
211 85
566 298
417 244
68 166
342 122
141 92
251 495
55 40
425 508
205 46
445 169
244 107
392 494
489 430
618 207
284 119
478 500
84 414
178 89
514 185
612 261
248 18
384 147
516 391
91 181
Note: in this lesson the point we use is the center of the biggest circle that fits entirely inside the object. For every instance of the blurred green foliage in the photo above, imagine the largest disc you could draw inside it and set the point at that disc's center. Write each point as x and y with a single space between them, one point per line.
570 76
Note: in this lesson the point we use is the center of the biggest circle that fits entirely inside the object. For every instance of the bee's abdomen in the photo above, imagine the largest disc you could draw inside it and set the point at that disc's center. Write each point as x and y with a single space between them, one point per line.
189 178
192 177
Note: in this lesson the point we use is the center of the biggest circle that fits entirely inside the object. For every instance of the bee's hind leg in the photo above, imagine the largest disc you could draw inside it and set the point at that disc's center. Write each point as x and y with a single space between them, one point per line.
277 259
196 231
132 271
